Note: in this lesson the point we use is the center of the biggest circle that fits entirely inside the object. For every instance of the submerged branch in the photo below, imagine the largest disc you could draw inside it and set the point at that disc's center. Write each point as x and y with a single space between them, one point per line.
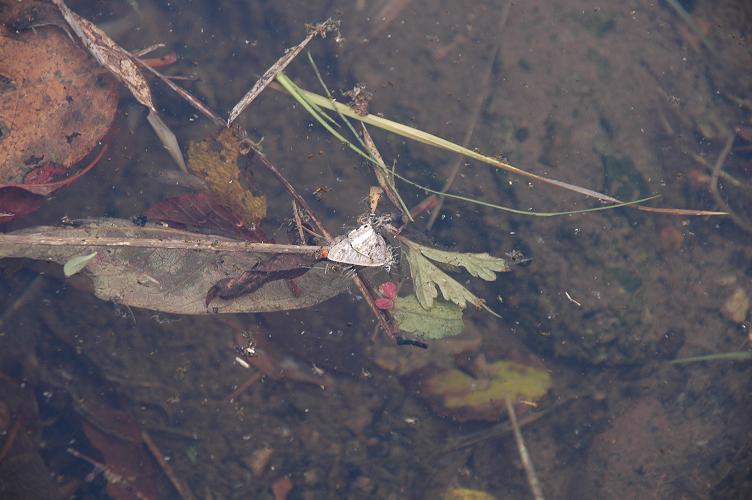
208 244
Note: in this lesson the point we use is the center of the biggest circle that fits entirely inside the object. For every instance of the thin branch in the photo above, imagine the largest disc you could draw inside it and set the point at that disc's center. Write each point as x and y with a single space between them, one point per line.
193 101
181 487
717 169
532 478
270 74
212 245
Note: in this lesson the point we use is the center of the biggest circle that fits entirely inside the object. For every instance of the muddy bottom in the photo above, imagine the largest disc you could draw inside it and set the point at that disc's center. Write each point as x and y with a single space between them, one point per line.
630 100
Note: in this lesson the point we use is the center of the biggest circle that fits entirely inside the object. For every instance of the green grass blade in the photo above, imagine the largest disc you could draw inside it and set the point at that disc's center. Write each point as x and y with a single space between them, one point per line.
306 99
724 356
432 140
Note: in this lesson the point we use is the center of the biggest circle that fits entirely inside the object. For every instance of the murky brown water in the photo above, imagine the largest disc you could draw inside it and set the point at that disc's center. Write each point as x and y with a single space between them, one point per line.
618 98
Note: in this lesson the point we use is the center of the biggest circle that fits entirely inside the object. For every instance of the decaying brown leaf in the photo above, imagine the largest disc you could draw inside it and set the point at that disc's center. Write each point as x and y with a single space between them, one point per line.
169 279
55 103
221 162
126 68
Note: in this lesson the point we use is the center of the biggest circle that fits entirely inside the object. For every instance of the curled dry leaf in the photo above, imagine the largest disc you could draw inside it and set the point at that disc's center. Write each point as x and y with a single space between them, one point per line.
166 279
109 54
277 267
125 67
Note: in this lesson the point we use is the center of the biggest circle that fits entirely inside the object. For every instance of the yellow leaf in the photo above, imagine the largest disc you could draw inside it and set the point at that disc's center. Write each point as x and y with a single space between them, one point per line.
218 161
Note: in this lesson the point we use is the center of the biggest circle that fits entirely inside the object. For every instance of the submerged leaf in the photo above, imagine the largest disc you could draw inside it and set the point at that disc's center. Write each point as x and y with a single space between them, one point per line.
203 212
54 107
220 161
427 277
480 265
169 270
282 266
457 394
466 494
442 320
77 264
168 139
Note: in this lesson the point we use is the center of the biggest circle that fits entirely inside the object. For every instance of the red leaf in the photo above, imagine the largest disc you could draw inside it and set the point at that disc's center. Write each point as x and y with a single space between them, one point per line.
203 211
124 455
46 172
384 303
16 202
388 289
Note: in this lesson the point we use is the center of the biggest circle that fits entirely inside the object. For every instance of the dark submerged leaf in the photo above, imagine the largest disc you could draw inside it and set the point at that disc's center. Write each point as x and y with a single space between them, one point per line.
173 280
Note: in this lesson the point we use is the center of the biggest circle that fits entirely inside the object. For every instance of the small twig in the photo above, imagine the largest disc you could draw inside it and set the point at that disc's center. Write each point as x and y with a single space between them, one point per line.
385 180
110 476
183 490
249 382
193 101
717 169
475 116
532 478
298 222
148 50
271 73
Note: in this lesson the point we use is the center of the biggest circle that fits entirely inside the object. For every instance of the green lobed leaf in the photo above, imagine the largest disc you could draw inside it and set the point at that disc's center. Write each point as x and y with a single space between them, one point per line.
480 265
442 320
427 277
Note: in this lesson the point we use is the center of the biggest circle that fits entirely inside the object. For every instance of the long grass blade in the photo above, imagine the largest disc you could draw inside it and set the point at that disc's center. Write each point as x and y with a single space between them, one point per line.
303 97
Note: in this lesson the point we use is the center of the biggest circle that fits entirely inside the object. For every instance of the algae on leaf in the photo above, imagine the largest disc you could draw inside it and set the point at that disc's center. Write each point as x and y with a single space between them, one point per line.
222 164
